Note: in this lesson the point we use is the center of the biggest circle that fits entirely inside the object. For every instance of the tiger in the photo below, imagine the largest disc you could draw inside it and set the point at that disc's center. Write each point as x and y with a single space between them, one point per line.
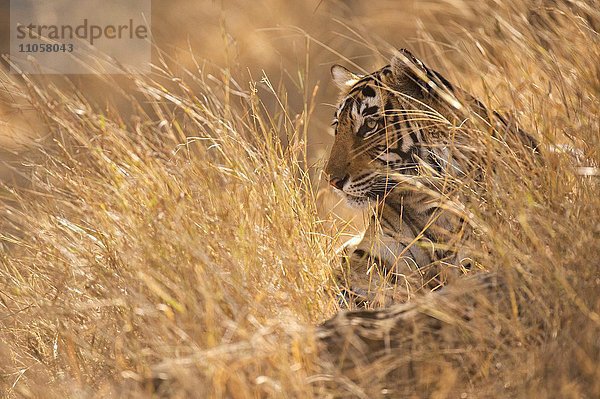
398 151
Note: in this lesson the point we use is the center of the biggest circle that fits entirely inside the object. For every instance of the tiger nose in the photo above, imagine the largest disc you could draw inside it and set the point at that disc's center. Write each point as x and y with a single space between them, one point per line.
338 182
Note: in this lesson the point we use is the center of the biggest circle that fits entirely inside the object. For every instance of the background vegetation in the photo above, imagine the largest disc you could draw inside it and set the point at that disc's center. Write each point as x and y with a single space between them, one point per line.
167 234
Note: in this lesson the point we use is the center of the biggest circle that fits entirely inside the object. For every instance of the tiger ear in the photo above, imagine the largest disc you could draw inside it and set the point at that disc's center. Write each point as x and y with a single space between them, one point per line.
342 77
404 63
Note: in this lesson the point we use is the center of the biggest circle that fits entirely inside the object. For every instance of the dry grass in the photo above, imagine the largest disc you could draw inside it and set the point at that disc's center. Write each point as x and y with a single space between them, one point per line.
167 242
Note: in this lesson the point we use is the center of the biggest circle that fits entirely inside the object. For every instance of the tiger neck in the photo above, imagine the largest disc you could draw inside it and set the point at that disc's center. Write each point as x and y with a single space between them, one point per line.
421 211
413 202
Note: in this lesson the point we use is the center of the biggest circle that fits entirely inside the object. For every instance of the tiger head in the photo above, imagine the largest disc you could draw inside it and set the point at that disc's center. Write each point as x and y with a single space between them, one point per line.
380 126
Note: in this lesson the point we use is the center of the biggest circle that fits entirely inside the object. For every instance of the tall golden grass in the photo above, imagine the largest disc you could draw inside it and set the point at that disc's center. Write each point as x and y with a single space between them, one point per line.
169 242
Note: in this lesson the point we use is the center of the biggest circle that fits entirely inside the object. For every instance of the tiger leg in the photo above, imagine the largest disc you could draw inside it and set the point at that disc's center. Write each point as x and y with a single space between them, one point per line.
383 268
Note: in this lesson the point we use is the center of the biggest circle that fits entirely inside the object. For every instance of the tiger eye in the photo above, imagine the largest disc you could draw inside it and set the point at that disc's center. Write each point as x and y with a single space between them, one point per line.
371 123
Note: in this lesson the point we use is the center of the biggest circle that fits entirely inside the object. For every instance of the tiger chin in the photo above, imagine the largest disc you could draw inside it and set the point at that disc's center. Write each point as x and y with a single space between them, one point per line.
366 199
395 149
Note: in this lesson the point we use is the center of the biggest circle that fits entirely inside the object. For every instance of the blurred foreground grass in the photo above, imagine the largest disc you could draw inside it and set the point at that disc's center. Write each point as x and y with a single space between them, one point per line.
178 247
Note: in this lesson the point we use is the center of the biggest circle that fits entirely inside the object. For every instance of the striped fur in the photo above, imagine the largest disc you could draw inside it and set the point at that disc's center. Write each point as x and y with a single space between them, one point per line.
395 151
